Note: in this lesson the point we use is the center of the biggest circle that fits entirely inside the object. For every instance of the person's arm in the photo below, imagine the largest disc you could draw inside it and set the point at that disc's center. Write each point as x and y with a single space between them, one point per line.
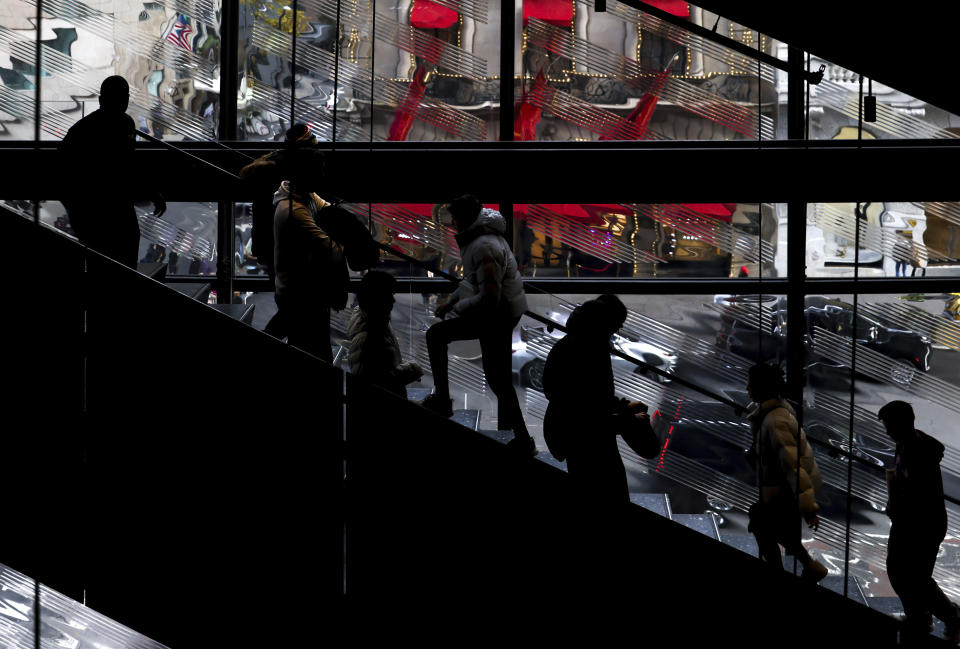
307 228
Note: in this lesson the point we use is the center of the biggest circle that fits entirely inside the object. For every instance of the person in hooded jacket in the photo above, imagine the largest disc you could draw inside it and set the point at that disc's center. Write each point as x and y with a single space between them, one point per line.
374 350
787 474
264 175
489 303
584 416
311 269
918 521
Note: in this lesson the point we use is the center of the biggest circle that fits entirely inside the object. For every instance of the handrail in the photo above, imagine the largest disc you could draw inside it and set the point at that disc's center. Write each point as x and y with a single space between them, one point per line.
739 409
813 78
168 145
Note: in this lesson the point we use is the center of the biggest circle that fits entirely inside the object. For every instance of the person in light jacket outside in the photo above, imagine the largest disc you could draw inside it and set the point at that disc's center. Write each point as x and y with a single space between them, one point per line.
787 474
489 303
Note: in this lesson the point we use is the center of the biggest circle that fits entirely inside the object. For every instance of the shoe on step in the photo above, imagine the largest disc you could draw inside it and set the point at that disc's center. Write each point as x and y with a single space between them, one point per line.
439 405
815 572
523 445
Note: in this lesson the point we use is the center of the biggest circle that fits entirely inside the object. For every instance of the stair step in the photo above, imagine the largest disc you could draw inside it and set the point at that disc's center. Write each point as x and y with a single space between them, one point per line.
888 605
199 291
835 583
657 503
469 418
503 436
241 312
545 456
703 523
894 608
153 269
745 542
418 394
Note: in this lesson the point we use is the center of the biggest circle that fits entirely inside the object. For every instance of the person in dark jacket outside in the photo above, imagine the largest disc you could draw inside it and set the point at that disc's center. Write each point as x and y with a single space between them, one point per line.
311 269
101 179
787 474
918 522
489 303
584 416
374 350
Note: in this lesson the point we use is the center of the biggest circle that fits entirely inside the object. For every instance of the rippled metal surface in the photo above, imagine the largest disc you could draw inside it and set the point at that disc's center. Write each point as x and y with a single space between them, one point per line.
64 623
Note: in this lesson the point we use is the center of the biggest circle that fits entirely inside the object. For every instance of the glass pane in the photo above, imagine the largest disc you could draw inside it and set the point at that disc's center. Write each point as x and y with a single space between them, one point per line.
651 240
416 71
896 239
701 477
902 352
833 110
423 231
185 237
18 93
169 56
626 75
64 622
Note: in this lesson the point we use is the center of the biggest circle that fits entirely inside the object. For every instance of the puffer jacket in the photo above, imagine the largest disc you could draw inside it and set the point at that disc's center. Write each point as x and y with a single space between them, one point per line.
777 437
491 281
375 353
308 263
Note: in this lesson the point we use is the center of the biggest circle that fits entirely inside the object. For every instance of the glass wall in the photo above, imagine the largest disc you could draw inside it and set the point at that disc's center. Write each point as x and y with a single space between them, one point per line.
905 239
430 71
625 74
834 108
651 240
413 71
169 55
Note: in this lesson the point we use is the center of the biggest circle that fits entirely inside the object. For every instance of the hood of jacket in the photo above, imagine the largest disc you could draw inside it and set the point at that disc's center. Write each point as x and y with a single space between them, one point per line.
282 193
488 222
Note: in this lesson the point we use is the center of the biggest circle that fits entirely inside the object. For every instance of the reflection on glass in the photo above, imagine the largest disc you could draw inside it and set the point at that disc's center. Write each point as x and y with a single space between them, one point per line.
18 90
834 105
625 74
184 237
417 71
245 261
647 240
423 231
64 622
169 55
903 351
896 239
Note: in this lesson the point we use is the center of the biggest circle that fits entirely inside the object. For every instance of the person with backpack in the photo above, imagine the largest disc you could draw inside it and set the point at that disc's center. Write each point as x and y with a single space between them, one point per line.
584 417
787 474
311 269
264 175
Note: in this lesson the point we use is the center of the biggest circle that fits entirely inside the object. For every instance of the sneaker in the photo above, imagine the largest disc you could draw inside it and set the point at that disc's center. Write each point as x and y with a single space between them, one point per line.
815 572
439 405
523 445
